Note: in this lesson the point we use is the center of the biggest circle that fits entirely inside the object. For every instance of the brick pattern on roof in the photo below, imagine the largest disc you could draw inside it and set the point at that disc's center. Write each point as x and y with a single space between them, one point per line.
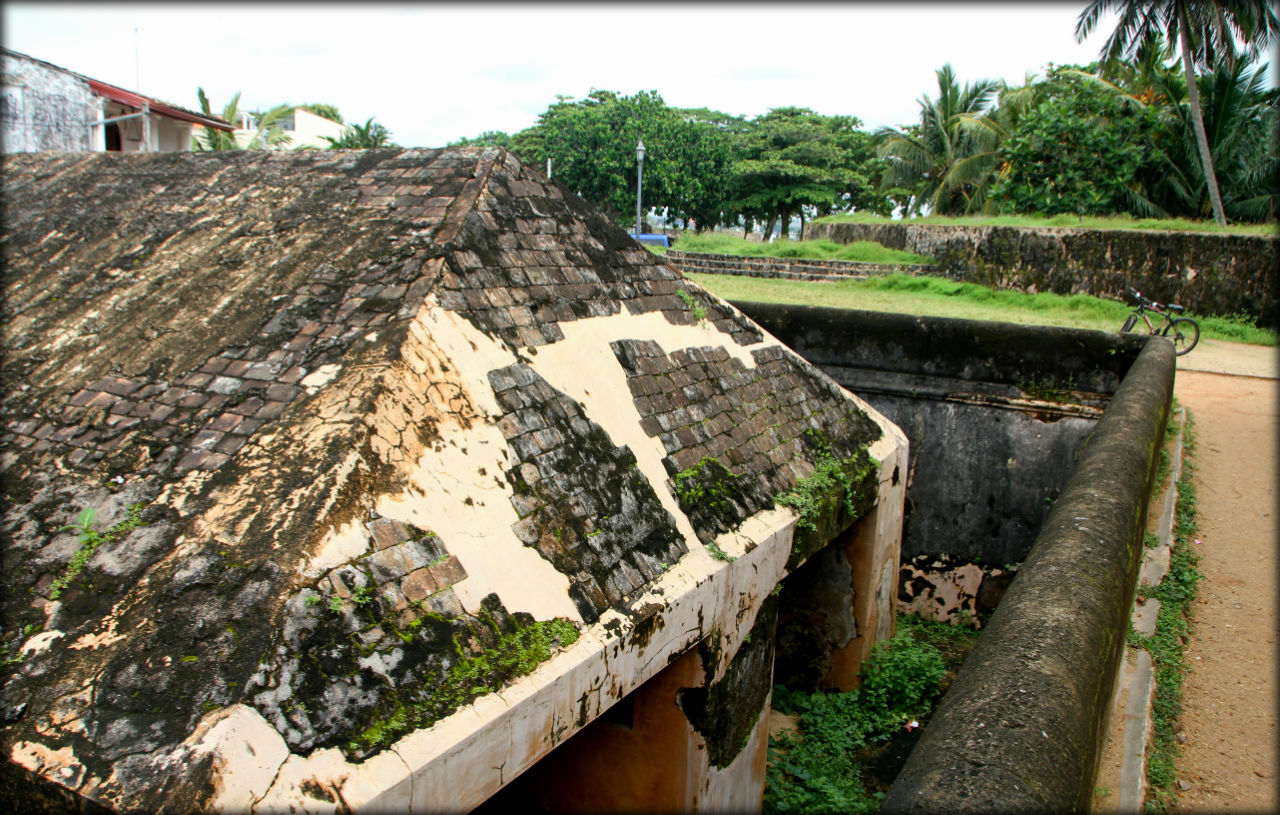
703 404
531 258
582 501
165 315
203 417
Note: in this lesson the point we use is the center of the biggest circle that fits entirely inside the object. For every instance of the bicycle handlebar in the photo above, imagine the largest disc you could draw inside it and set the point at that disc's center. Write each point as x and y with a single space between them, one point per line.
1147 302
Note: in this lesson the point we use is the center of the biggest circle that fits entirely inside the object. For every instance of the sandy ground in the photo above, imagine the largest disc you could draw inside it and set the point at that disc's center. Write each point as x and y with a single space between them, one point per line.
1229 759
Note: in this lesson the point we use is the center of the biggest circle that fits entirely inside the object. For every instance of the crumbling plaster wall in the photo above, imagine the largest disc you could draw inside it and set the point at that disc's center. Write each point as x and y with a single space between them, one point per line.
43 108
394 544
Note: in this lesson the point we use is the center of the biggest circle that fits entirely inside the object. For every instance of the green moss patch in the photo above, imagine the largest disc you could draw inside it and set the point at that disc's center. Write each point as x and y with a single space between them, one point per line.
822 766
514 646
830 499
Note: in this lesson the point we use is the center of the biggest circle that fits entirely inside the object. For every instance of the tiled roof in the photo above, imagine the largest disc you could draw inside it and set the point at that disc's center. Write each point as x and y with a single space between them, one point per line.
372 410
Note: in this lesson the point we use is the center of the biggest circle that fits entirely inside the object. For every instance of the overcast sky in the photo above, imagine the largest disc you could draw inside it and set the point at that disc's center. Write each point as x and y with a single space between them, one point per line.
434 72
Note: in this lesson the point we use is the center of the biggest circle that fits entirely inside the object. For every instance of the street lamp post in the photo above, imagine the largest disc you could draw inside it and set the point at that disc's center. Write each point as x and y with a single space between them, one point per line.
639 182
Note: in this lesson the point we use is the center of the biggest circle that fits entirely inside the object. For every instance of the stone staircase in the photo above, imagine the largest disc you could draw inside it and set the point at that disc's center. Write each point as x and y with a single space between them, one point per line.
790 268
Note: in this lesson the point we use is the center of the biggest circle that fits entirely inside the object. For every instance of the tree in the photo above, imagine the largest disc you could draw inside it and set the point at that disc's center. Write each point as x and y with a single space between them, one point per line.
946 159
592 143
324 111
267 134
794 162
361 137
1050 158
489 138
1206 32
1240 120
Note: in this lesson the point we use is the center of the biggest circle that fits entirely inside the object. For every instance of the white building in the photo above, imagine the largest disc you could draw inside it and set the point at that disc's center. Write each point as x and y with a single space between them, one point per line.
44 107
304 129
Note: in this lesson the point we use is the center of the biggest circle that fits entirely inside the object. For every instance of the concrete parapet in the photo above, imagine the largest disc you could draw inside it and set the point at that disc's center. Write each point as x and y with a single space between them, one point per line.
1022 727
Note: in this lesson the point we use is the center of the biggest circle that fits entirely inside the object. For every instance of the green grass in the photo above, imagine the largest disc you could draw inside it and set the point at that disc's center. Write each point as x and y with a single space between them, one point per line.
1176 593
1074 221
721 243
939 297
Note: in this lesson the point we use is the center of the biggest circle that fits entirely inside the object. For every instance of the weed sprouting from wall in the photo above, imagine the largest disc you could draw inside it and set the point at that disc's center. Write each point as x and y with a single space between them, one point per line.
90 540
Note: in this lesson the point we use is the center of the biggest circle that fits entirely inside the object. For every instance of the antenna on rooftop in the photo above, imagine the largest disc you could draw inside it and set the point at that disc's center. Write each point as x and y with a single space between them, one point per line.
137 71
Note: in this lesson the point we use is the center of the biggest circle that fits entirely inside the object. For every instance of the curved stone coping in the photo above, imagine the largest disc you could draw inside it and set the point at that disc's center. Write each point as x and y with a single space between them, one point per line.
1021 728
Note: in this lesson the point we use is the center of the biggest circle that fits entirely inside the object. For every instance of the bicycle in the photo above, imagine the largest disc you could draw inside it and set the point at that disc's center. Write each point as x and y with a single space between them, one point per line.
1183 331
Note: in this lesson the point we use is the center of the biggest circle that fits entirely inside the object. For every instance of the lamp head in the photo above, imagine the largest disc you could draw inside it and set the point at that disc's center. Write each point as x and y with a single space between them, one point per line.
639 151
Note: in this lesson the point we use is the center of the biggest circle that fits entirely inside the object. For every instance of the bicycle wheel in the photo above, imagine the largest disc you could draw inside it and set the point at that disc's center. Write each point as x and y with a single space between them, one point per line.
1129 323
1184 332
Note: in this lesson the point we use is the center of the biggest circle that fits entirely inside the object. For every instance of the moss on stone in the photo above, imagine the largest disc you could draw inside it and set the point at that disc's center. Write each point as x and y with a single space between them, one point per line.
516 645
715 498
830 499
726 712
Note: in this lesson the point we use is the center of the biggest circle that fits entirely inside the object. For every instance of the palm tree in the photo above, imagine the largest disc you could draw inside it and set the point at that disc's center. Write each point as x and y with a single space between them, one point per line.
361 137
1239 118
1206 32
268 133
947 157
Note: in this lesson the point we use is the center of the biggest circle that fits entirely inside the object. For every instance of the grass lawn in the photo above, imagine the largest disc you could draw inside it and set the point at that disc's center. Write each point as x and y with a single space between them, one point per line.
939 297
1086 222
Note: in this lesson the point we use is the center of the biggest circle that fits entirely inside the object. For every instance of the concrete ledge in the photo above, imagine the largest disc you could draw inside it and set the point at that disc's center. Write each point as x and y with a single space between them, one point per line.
1023 725
973 351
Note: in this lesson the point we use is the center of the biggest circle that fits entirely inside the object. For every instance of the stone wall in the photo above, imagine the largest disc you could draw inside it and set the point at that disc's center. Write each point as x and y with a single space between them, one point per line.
793 268
43 108
1022 727
995 414
1209 273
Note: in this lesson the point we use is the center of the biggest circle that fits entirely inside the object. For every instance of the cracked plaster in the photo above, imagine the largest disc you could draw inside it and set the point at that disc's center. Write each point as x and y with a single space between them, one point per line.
396 423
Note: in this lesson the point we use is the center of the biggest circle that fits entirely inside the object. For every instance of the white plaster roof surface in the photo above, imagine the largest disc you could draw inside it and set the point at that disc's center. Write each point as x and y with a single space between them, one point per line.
409 439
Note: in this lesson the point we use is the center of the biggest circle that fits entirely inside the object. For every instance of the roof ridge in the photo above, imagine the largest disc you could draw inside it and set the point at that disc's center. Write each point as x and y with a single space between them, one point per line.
466 200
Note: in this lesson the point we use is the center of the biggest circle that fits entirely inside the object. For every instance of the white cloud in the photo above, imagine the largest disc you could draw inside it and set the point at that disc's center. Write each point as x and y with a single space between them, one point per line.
433 73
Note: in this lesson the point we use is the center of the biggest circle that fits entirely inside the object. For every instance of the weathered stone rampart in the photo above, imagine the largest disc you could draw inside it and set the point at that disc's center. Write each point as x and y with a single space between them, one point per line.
373 477
1209 273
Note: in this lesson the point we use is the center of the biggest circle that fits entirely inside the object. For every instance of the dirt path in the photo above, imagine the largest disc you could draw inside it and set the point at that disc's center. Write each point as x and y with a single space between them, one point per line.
1229 759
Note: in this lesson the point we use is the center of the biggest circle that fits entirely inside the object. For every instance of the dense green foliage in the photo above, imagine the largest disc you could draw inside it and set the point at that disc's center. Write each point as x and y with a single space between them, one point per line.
703 167
792 160
1052 159
1205 35
946 159
592 146
814 770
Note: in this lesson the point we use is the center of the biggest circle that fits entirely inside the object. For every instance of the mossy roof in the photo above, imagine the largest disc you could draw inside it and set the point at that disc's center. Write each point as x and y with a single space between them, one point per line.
339 437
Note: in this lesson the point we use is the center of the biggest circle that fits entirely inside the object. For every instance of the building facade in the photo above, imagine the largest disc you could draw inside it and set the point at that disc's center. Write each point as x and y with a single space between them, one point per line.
46 108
